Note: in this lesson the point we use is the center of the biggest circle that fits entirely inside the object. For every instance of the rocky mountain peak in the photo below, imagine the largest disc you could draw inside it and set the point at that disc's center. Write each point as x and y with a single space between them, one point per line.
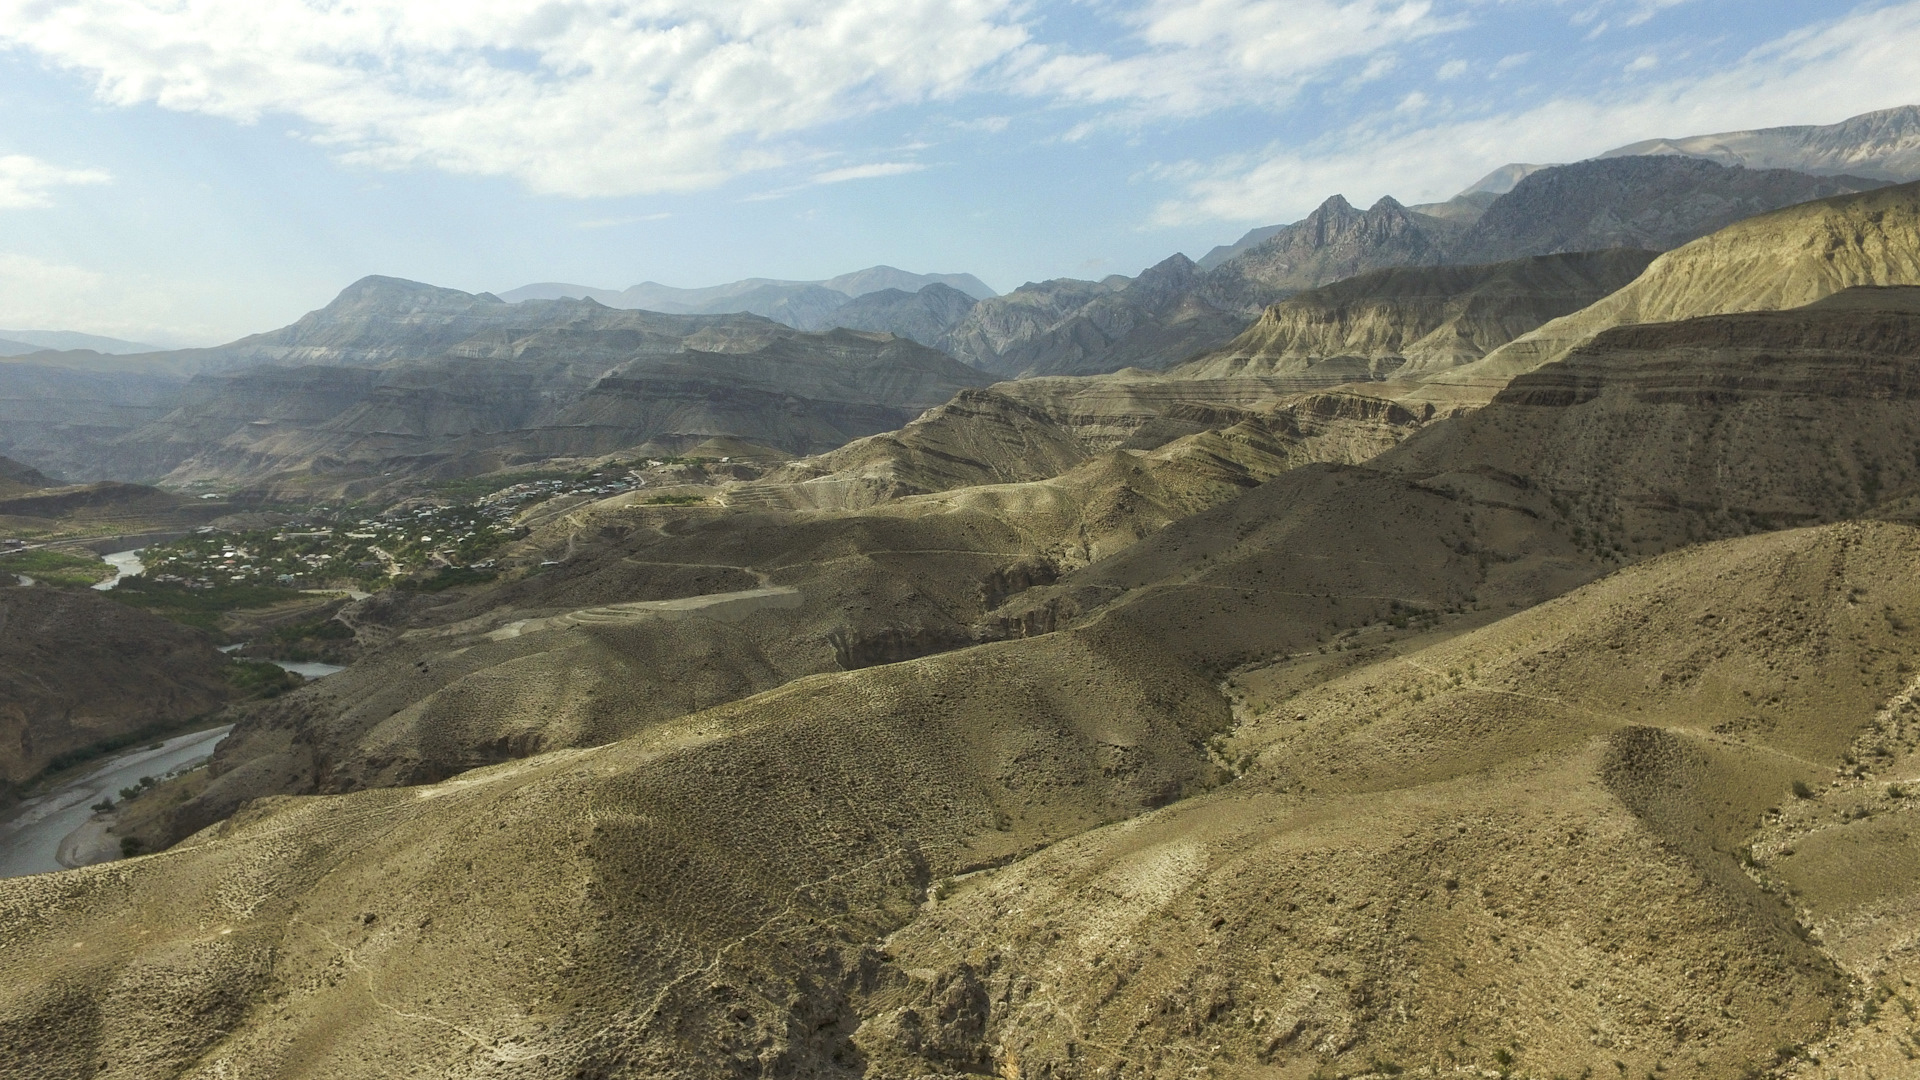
1174 272
1335 206
390 295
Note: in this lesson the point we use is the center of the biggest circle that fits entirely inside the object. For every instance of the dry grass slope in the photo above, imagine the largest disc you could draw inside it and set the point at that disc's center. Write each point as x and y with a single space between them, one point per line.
1785 259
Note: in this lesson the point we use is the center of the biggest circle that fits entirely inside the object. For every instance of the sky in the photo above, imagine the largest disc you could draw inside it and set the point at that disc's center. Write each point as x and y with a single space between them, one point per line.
189 171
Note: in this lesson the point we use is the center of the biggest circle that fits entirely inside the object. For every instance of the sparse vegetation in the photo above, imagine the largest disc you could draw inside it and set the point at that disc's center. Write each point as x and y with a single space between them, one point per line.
61 568
197 607
258 678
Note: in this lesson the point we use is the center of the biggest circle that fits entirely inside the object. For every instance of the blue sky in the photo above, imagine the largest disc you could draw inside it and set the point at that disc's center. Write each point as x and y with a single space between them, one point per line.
187 171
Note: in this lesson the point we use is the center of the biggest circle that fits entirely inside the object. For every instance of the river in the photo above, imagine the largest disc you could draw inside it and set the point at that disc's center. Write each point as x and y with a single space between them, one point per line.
30 836
125 564
308 669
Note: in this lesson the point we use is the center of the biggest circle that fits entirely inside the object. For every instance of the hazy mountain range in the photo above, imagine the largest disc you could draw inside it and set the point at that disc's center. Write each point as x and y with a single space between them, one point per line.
1654 203
87 415
399 378
804 305
22 342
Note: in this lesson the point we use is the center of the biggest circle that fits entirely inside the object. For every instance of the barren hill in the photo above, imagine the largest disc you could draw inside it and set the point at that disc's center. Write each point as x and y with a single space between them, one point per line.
77 669
1435 860
1402 322
1784 259
17 479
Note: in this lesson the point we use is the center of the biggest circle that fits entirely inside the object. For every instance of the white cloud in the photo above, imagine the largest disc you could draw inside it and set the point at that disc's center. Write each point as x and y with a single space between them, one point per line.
27 182
616 222
1810 76
867 172
574 97
622 97
1509 62
1452 69
1199 55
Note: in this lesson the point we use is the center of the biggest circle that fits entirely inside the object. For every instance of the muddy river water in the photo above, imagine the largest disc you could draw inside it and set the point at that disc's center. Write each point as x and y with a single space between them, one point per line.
30 835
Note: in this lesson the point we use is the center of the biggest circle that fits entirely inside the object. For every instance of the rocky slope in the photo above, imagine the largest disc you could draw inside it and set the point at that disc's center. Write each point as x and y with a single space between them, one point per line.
1177 309
1521 850
1039 429
925 316
1432 861
1883 144
1333 243
1784 259
1086 327
1652 203
16 479
63 419
1403 322
77 669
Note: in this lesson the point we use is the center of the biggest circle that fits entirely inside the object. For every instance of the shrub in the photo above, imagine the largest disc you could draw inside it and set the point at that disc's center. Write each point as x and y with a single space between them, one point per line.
446 579
1801 790
257 677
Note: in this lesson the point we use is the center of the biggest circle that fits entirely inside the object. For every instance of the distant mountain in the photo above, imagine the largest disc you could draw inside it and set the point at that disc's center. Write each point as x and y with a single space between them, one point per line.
1884 145
17 348
1178 309
1334 242
1067 326
925 316
62 419
1657 203
68 339
1501 180
396 379
1642 203
1464 208
875 278
1224 252
804 305
1881 145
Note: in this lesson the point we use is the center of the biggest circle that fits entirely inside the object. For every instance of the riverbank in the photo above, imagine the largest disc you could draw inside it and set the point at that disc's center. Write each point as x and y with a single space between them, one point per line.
32 835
